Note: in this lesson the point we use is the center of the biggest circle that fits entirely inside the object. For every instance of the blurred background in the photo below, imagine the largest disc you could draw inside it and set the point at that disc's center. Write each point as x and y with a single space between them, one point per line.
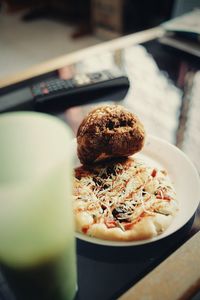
35 31
165 84
164 80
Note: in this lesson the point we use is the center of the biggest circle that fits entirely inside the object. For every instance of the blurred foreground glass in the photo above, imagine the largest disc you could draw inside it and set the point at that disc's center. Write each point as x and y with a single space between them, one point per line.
37 246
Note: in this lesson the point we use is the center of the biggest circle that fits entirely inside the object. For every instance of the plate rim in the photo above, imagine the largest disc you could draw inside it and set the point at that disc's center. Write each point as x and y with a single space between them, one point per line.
151 139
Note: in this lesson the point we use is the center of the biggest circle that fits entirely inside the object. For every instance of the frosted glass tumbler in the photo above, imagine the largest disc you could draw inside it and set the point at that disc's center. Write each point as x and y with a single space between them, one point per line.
37 246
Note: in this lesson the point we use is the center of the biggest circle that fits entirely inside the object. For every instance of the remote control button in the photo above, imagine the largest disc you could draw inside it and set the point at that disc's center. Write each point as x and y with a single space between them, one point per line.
42 85
45 91
50 89
36 91
67 85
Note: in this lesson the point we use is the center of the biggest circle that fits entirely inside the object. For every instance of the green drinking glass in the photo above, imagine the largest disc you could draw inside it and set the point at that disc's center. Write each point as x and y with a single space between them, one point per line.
37 244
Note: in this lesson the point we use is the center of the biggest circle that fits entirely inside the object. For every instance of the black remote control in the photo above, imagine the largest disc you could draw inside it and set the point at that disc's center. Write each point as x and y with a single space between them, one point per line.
55 94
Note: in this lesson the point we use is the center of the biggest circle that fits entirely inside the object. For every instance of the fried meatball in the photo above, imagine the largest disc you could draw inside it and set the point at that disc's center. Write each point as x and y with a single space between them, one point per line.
109 131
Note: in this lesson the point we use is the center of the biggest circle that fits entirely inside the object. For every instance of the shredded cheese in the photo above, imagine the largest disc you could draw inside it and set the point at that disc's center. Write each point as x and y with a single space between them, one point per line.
124 191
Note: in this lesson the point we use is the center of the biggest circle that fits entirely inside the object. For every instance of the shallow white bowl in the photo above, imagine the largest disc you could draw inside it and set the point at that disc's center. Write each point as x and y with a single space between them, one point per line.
184 177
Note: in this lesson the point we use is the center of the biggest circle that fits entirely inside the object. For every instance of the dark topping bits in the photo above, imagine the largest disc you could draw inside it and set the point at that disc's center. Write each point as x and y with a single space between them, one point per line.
117 211
143 192
111 170
121 214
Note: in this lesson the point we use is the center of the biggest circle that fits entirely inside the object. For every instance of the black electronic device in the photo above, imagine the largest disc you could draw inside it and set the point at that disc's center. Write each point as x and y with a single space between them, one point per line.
55 94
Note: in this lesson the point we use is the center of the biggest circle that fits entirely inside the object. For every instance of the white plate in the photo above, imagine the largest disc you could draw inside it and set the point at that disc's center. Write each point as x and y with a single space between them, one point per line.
184 177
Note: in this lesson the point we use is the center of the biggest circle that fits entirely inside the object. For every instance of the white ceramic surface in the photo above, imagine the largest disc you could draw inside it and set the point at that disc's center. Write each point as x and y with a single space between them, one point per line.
184 177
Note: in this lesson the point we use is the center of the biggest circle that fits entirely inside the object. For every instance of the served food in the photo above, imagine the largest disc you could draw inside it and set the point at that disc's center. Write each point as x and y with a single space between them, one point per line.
109 131
123 200
118 196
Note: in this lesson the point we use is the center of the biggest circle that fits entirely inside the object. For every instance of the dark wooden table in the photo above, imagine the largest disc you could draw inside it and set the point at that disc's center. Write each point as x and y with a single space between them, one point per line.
162 93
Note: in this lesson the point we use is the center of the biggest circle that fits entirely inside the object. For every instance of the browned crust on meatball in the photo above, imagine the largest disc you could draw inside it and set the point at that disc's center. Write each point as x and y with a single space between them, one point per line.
109 131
